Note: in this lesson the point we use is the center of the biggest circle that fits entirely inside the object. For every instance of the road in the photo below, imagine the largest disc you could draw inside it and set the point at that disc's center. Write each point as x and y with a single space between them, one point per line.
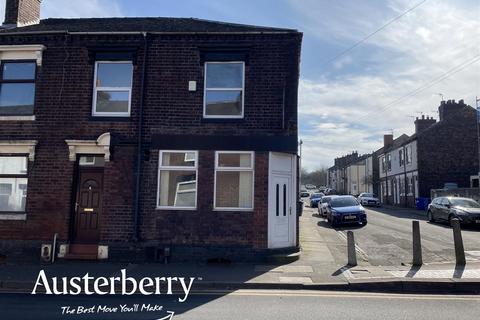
252 304
387 238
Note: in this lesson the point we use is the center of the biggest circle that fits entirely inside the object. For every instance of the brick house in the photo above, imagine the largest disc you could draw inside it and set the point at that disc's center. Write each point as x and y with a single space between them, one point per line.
437 153
135 138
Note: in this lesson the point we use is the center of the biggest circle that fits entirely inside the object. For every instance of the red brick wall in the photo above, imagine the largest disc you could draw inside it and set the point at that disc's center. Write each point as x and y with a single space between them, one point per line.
63 111
204 226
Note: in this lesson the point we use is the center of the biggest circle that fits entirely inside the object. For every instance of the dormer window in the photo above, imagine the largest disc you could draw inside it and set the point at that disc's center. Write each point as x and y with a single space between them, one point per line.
17 87
112 88
224 89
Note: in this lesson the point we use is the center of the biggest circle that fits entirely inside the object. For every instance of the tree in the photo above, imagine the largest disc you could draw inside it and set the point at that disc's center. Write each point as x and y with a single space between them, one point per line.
317 177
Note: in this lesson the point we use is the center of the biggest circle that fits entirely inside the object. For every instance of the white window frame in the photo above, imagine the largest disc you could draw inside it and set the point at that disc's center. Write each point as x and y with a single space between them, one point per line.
234 169
205 89
96 89
177 168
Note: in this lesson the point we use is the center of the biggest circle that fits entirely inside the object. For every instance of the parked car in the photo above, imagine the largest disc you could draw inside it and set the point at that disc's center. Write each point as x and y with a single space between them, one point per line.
315 198
345 210
322 205
304 195
447 208
368 199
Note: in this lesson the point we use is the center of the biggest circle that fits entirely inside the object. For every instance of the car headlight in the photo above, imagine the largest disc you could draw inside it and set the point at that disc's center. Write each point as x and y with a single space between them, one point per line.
461 212
335 212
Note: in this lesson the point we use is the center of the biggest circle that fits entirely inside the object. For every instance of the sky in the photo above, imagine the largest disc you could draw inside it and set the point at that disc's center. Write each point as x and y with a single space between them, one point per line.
347 102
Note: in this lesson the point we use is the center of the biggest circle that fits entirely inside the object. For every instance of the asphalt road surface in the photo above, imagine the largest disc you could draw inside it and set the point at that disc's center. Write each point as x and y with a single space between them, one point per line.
251 304
387 238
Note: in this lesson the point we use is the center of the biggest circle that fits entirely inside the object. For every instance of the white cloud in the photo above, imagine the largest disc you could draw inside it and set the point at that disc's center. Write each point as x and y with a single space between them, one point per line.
409 53
74 9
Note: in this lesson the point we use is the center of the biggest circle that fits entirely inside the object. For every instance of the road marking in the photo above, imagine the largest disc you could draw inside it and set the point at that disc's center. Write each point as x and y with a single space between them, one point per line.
338 294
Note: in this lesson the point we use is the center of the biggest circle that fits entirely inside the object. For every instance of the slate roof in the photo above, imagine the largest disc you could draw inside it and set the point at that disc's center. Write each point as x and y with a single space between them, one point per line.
158 24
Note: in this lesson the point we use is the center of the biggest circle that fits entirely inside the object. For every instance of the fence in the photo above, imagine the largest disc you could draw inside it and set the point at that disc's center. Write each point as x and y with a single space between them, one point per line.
473 193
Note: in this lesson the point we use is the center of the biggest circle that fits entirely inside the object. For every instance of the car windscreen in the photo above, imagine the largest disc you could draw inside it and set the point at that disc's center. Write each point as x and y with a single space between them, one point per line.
369 195
467 203
326 199
316 195
343 202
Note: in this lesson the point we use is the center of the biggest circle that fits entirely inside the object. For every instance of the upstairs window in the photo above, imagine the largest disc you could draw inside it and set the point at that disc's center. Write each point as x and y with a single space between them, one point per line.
13 183
17 88
389 162
224 89
401 158
409 155
112 89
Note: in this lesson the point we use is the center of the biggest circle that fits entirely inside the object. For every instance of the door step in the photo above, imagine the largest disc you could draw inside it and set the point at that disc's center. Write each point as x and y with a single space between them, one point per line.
82 252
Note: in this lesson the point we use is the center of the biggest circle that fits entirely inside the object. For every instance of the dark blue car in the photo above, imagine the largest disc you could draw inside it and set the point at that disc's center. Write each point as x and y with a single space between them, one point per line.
315 198
345 210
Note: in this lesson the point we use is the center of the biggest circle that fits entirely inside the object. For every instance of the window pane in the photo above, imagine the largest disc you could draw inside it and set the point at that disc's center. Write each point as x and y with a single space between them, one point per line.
17 98
13 194
114 74
223 103
112 101
224 75
177 188
234 189
13 165
243 160
181 159
19 71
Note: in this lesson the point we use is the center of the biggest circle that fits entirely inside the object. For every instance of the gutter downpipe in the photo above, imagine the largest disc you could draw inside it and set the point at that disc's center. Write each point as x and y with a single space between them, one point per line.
138 180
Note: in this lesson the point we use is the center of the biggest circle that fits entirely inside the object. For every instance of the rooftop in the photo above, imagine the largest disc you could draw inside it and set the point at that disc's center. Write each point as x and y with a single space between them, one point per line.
157 24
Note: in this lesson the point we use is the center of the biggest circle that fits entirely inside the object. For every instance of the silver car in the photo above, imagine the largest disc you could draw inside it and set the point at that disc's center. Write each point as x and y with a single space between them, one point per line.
368 199
322 206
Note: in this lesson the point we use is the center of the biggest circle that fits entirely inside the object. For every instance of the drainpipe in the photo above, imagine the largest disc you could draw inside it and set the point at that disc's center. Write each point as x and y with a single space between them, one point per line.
136 233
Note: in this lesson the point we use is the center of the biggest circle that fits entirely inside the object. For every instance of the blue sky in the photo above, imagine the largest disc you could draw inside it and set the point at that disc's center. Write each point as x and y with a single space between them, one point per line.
345 104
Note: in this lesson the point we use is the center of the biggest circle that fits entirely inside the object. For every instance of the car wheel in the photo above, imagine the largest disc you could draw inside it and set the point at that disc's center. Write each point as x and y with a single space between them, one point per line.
430 216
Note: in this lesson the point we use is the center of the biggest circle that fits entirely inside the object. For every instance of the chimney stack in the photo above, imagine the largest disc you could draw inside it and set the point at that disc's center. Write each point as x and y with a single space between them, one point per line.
449 108
423 123
387 140
19 13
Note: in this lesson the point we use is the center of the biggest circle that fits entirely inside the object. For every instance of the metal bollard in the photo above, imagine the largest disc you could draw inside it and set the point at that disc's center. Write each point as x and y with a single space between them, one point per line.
417 244
458 242
352 254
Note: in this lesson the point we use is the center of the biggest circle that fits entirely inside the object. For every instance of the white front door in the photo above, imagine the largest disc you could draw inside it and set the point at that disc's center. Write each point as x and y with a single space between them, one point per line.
281 201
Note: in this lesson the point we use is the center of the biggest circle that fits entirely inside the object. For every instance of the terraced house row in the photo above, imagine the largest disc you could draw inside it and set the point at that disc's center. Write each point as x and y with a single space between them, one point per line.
406 169
146 138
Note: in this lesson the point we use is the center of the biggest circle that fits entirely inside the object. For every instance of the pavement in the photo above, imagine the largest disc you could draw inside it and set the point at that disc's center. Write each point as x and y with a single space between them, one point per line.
321 266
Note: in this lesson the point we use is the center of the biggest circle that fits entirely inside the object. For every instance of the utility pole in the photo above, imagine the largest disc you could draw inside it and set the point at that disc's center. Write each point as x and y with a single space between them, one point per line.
477 100
300 143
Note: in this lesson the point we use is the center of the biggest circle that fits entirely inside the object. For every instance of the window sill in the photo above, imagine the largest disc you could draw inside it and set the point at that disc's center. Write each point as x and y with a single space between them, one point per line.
234 209
111 118
13 216
17 118
175 209
223 120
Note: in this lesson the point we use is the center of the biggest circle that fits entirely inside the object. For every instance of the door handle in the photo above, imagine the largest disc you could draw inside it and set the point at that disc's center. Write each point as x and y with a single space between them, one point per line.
76 206
290 210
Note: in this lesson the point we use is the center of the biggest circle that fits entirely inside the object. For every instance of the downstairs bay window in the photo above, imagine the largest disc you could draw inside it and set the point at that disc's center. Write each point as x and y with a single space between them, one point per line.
234 173
13 183
177 180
